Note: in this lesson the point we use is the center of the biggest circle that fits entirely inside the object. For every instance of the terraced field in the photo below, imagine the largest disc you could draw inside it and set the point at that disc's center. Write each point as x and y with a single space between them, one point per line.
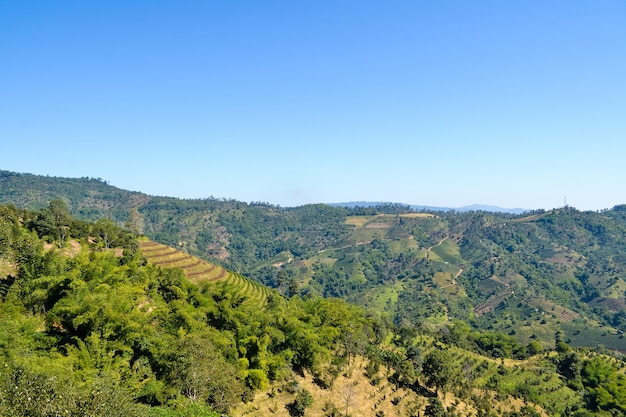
198 270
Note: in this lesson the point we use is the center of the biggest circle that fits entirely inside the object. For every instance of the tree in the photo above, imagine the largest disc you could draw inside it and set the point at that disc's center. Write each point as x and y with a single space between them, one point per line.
61 219
354 341
438 369
569 365
605 387
348 396
434 408
526 411
203 374
293 286
303 400
53 221
27 250
135 221
534 347
281 280
106 231
8 229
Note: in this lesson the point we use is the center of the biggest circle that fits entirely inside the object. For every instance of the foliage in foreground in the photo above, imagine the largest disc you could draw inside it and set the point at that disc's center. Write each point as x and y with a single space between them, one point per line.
99 332
120 334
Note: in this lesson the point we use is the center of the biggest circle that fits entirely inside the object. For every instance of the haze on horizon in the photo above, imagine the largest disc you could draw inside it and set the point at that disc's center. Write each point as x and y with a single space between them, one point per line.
511 104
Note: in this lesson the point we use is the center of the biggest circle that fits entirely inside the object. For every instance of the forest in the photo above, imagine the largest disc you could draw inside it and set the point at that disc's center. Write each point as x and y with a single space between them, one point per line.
379 311
89 327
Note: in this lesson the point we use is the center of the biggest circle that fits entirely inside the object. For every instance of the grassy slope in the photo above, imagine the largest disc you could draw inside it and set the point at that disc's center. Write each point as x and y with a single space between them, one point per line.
498 386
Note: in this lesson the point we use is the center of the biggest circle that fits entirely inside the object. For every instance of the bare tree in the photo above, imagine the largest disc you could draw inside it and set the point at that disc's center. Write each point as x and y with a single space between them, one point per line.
348 396
135 221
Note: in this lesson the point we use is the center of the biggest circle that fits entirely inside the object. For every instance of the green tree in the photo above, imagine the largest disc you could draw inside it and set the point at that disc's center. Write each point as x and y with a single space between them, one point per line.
8 229
606 388
107 232
25 392
53 222
27 250
293 286
569 365
534 347
438 369
61 220
434 408
202 373
281 280
303 400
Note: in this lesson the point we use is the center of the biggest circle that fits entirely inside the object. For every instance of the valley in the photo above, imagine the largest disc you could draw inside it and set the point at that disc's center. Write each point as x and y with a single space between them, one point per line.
312 310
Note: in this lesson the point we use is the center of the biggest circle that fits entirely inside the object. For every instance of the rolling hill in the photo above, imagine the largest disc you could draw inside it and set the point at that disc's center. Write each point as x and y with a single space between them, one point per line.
532 275
96 320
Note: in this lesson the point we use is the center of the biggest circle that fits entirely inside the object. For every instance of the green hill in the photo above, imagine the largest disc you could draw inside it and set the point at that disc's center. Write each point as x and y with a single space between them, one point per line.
95 320
531 275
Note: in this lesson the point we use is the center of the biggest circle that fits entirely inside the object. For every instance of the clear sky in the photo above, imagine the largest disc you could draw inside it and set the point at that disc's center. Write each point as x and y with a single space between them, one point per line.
442 103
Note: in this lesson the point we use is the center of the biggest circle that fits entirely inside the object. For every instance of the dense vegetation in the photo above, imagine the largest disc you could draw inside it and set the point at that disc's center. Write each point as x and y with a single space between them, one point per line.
88 327
102 333
530 276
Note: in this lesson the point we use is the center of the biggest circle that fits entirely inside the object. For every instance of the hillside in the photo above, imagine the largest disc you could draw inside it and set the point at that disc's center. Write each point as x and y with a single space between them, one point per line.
95 320
531 275
198 271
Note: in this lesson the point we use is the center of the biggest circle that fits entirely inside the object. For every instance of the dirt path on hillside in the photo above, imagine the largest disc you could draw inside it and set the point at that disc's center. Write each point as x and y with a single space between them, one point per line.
440 242
459 272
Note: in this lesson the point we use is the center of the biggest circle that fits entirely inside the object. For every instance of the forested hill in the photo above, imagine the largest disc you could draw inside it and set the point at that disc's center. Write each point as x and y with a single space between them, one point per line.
236 233
91 325
87 198
534 276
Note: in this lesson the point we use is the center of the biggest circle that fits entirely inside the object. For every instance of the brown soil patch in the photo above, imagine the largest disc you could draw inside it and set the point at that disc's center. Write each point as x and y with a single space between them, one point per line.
415 215
362 397
360 221
560 312
71 247
7 268
378 225
352 389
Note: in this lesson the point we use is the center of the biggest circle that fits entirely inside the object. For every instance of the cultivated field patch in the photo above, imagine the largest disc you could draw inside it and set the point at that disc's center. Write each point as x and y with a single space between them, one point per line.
198 270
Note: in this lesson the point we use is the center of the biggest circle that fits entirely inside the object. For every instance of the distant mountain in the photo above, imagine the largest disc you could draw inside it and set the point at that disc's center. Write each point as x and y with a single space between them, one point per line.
494 209
473 207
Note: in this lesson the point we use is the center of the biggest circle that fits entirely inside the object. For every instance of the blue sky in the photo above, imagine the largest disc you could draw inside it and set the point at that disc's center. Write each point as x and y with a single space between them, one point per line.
446 103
